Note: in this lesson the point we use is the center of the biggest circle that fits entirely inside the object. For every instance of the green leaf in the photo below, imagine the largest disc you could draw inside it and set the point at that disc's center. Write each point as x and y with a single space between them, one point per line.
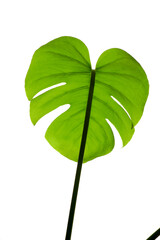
120 90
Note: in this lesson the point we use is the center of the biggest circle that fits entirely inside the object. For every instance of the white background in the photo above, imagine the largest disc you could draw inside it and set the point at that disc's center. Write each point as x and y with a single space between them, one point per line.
119 195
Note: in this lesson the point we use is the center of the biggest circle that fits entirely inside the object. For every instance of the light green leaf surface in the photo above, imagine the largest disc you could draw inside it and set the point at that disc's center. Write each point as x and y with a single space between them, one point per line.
120 92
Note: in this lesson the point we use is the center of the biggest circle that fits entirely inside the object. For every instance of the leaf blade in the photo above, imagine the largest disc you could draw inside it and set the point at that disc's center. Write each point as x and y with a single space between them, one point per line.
120 92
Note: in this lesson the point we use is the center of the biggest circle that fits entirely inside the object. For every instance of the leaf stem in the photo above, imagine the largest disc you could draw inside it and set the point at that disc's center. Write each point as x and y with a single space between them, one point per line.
154 235
80 158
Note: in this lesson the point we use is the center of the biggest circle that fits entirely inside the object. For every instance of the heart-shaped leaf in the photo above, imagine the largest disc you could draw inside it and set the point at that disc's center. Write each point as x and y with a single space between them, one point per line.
119 92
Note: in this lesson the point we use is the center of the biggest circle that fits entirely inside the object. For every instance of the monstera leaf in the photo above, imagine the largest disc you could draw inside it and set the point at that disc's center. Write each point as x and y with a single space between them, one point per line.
119 80
116 92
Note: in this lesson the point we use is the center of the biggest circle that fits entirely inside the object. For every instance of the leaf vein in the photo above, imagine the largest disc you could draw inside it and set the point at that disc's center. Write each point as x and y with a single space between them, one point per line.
122 74
107 64
80 54
62 94
109 86
104 133
65 56
59 74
